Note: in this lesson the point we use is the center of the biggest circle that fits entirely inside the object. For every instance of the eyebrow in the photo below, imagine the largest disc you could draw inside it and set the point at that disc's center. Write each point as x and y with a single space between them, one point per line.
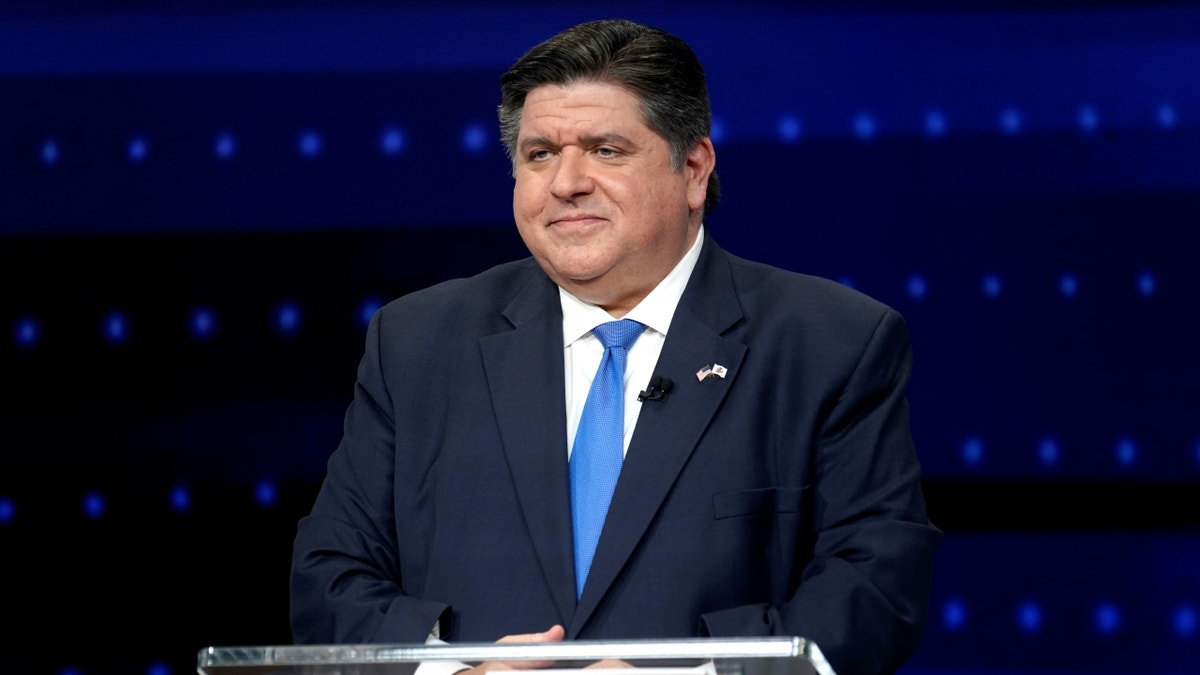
536 141
607 139
592 140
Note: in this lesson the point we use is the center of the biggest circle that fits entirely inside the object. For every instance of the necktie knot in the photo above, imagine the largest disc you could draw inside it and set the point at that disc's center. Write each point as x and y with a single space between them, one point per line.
620 334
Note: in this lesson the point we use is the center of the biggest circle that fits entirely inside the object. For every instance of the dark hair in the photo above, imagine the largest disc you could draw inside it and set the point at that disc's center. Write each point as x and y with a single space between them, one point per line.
661 70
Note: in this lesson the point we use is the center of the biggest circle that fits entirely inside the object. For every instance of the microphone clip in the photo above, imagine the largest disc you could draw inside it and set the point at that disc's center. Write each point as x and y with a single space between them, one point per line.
657 391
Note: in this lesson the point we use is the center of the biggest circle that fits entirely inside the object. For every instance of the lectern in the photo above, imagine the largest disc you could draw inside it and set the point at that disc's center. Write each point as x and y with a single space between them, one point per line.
688 656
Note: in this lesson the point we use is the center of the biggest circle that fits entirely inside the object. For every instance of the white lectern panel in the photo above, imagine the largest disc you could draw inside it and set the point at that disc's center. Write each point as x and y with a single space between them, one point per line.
691 656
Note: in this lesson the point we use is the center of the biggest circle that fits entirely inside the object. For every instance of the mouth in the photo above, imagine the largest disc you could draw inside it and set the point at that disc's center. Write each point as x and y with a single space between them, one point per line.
575 221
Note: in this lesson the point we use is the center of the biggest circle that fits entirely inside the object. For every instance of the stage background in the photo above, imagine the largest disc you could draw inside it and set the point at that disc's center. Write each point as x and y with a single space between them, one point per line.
202 202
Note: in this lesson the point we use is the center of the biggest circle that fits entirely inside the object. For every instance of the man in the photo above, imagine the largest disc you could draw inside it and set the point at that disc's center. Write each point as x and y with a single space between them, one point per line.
769 486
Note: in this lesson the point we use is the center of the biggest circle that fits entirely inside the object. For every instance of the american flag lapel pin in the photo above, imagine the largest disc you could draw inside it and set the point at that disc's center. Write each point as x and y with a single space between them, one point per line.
711 370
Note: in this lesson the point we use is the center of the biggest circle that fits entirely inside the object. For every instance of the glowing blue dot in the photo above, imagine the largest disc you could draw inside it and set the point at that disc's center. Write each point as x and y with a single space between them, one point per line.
1107 618
992 285
1088 119
139 149
917 287
954 614
1146 284
49 152
115 329
1010 121
93 505
1068 285
26 332
846 281
1126 452
1029 616
1184 621
287 319
391 141
68 670
1196 453
310 143
864 126
1048 451
717 133
1166 116
265 493
972 450
935 123
203 323
181 499
367 310
790 129
158 669
474 138
8 510
224 145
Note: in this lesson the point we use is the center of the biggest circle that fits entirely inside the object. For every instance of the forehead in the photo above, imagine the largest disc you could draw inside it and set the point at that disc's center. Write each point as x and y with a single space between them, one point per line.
581 104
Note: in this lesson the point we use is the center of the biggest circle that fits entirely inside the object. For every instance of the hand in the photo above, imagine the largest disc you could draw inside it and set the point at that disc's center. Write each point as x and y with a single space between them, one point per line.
553 634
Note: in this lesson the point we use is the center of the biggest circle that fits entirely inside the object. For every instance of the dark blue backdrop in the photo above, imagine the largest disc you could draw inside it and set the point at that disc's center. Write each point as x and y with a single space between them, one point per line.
201 203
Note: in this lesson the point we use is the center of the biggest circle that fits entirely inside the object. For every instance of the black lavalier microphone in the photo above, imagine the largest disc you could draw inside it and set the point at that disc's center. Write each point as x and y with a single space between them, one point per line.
657 391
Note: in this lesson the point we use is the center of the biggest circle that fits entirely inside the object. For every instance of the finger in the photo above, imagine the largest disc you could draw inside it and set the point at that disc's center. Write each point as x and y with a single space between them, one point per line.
553 634
608 663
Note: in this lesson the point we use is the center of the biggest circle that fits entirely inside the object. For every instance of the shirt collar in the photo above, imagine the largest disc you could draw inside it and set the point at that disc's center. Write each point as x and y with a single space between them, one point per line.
654 311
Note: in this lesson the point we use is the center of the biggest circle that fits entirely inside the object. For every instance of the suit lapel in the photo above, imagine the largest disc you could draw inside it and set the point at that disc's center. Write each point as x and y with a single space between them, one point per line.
667 432
524 369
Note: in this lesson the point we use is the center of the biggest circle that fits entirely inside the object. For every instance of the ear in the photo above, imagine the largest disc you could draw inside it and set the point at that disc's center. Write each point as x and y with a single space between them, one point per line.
700 163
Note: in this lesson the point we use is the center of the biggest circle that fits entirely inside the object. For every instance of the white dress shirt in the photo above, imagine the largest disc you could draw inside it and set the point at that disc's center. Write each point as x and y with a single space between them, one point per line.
582 350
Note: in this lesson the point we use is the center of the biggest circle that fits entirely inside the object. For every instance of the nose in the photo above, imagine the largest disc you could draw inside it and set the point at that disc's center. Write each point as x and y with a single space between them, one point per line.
571 178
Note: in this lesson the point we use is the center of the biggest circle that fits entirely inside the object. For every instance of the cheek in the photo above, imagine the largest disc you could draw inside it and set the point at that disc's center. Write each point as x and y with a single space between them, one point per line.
526 214
663 199
526 199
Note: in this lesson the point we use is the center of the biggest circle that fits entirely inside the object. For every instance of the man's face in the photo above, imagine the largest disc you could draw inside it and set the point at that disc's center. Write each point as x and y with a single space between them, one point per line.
596 200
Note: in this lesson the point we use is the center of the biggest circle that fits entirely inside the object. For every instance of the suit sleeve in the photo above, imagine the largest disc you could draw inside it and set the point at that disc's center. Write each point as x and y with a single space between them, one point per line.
862 596
347 578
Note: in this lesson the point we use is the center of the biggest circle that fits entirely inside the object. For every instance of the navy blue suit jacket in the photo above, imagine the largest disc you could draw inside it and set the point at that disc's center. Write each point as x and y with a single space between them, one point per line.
781 499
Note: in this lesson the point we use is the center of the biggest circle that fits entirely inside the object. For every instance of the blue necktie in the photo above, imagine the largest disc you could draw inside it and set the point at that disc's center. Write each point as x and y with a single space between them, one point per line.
599 443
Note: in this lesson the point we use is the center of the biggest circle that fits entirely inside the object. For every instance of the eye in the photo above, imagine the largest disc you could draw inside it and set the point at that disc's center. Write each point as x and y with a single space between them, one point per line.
538 155
605 151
